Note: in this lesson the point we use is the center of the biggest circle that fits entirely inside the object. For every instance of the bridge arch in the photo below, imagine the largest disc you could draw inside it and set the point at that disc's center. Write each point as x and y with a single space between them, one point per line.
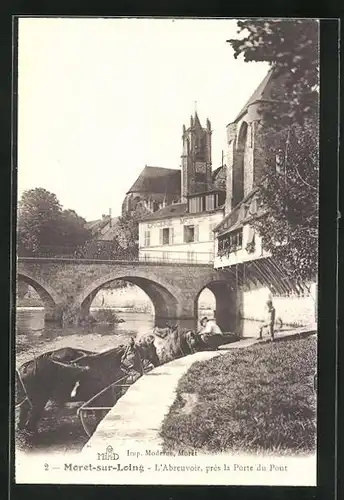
226 310
163 295
47 295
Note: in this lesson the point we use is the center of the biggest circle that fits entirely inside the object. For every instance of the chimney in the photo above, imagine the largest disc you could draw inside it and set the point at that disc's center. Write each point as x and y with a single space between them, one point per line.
110 217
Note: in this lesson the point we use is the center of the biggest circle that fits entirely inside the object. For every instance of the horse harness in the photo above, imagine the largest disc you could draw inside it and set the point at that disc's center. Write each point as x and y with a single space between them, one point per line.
129 347
21 383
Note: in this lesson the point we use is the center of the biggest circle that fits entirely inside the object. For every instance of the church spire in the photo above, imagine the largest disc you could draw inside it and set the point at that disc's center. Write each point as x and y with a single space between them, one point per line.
197 123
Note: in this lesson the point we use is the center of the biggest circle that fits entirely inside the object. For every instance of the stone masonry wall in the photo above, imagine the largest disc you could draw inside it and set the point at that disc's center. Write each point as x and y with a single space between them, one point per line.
73 281
293 310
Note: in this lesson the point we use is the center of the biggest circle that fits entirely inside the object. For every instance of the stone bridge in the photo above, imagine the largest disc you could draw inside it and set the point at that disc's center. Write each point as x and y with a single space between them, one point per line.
67 287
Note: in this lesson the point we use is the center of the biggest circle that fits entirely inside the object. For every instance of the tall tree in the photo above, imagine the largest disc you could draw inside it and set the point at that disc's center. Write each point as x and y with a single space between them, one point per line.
43 224
291 47
289 227
127 233
38 213
288 139
72 229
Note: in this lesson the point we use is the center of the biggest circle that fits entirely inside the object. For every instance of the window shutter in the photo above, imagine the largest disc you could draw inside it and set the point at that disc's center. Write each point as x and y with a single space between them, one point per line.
171 236
250 237
196 232
160 237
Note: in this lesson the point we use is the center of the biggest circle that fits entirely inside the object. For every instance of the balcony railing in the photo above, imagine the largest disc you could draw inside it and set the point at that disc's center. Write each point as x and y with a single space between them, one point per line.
176 256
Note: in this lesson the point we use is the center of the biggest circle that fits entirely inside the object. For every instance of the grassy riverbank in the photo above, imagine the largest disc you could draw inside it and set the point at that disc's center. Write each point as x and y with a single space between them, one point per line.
258 400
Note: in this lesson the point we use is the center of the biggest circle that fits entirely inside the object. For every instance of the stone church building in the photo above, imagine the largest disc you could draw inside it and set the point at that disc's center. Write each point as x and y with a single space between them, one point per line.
206 215
238 248
183 230
155 188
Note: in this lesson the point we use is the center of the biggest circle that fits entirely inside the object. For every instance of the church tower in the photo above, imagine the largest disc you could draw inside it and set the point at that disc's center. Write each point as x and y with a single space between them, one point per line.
196 158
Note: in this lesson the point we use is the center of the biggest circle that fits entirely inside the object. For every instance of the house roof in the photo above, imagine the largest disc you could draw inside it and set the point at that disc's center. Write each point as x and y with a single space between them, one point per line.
108 232
101 228
157 180
216 171
176 209
231 220
262 92
92 223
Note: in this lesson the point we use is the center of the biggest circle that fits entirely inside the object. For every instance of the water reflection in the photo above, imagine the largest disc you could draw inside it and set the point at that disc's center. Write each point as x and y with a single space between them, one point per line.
34 337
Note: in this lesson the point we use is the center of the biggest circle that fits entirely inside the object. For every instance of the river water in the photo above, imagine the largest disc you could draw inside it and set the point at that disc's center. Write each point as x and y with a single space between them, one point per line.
33 337
60 430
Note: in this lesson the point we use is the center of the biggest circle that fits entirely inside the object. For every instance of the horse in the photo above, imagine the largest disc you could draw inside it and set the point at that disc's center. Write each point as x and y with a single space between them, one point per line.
175 342
46 378
43 379
108 366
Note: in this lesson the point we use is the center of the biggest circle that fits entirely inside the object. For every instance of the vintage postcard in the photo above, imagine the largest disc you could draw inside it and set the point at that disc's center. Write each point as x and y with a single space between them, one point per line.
167 251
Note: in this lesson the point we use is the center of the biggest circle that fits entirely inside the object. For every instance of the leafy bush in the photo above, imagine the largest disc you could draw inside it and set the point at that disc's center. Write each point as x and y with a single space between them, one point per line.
107 316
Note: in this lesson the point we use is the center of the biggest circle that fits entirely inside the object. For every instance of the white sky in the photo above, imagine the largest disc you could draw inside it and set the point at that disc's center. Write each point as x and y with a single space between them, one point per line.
98 99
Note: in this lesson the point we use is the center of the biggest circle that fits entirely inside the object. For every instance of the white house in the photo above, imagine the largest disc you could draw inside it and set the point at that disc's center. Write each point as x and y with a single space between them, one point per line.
183 231
177 235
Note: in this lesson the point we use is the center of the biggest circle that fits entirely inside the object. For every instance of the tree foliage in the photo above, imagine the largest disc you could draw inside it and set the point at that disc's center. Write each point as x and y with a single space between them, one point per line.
291 47
42 224
288 139
289 228
127 233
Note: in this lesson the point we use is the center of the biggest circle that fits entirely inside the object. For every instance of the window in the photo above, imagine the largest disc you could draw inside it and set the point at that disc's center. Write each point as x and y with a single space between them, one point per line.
203 203
166 236
210 202
189 234
230 242
251 134
147 239
195 205
156 206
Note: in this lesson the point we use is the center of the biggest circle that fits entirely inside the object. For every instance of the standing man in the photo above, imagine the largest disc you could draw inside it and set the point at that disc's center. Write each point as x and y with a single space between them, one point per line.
270 321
